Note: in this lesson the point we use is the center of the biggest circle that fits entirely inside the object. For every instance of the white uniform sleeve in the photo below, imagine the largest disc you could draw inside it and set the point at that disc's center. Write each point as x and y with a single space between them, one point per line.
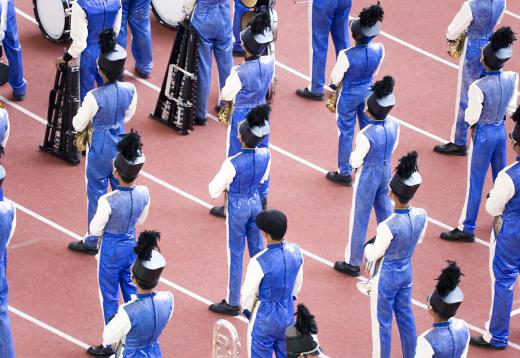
3 20
97 225
423 349
511 106
381 61
13 227
117 328
423 231
187 6
117 21
465 353
475 100
299 280
232 87
133 106
460 22
383 239
503 190
222 180
86 112
338 72
249 292
359 154
78 31
7 131
267 171
144 215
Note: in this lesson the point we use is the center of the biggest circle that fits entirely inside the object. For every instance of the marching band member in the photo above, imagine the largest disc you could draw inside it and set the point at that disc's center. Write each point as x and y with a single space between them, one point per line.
274 277
246 88
504 204
139 323
7 227
477 18
302 338
13 51
137 14
490 99
392 250
449 336
5 128
355 69
106 109
324 16
239 177
117 214
373 156
239 10
88 20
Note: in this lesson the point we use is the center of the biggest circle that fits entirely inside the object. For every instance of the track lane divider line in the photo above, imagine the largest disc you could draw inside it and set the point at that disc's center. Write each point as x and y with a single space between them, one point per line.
512 14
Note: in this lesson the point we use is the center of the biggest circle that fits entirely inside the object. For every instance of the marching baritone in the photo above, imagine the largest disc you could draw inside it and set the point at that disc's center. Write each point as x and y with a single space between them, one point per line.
138 324
449 336
504 204
355 69
302 338
372 159
239 177
391 257
106 110
274 277
88 20
117 214
476 19
491 98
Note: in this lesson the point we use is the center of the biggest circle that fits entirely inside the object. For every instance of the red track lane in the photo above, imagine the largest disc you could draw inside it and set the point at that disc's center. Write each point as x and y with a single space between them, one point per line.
198 244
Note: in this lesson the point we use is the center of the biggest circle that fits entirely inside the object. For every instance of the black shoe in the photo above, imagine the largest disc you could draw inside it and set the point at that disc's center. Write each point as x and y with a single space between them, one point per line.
343 267
218 211
345 180
224 308
200 121
238 53
18 97
457 235
100 351
305 93
264 204
450 149
79 246
141 74
479 341
218 107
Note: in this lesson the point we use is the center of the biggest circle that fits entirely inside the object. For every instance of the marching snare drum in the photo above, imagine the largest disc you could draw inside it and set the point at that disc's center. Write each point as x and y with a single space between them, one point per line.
168 12
53 17
248 16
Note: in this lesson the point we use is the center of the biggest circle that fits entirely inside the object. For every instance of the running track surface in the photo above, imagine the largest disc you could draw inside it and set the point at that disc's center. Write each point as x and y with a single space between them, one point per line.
55 309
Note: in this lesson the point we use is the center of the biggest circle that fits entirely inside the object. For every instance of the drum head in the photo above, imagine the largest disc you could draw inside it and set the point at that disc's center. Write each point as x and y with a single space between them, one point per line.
168 12
246 19
51 18
249 3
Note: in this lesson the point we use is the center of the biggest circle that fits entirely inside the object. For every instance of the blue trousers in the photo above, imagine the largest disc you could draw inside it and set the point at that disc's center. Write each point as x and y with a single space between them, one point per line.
241 226
6 339
370 190
213 24
488 146
351 103
470 70
13 51
327 16
237 28
392 294
137 14
89 76
116 257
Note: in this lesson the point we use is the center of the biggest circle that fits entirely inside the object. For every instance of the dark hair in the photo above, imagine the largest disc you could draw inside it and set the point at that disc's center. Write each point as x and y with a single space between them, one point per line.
143 285
401 199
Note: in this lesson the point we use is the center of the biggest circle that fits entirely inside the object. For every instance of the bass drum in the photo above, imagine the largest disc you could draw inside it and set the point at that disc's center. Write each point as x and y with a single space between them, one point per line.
53 17
168 12
248 16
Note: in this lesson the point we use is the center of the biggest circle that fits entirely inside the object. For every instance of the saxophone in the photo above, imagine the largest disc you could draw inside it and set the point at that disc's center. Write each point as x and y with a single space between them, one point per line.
84 138
224 116
457 45
332 102
225 342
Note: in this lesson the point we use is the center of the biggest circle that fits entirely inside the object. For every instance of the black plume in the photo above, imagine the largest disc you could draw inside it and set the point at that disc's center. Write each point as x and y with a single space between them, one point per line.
369 16
407 165
305 323
258 116
502 38
147 242
130 146
384 87
449 279
516 116
260 23
107 41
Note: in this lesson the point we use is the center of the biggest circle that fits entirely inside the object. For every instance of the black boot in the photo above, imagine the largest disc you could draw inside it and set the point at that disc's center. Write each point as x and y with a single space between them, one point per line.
479 341
343 267
200 121
305 93
264 204
345 180
218 211
457 235
100 351
79 246
450 149
224 308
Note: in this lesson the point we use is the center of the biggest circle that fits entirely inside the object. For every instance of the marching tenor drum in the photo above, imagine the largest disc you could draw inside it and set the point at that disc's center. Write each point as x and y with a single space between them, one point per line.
258 3
53 17
168 12
248 16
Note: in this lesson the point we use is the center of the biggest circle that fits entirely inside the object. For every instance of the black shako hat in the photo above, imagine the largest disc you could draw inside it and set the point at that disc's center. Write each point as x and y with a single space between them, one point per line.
499 49
273 222
301 338
113 56
149 263
130 158
382 99
515 134
258 35
447 296
255 127
406 179
368 25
